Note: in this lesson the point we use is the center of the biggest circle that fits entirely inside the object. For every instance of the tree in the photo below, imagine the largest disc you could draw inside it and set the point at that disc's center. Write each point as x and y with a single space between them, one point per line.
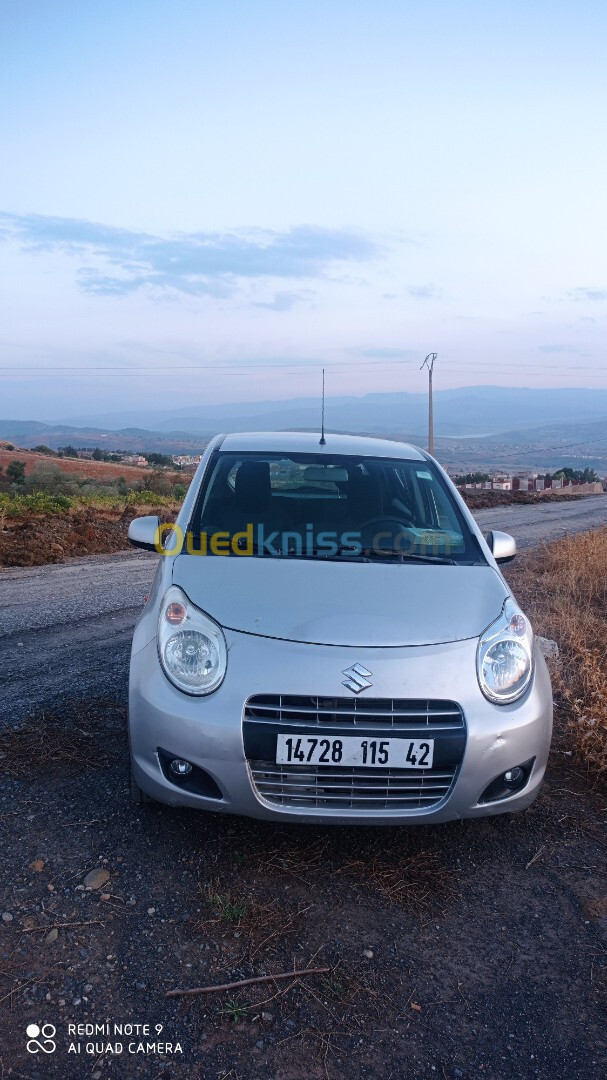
70 451
577 476
46 476
158 459
16 472
42 449
98 454
158 483
472 478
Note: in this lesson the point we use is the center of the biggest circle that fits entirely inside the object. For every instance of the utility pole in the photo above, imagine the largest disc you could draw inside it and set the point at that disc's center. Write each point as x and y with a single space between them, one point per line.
429 363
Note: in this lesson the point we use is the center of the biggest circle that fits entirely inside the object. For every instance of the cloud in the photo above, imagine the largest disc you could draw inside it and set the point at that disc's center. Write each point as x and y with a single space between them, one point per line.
117 262
377 353
587 294
284 301
556 349
425 292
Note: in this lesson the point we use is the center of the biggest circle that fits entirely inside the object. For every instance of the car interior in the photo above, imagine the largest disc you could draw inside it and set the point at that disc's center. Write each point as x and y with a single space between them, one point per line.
305 494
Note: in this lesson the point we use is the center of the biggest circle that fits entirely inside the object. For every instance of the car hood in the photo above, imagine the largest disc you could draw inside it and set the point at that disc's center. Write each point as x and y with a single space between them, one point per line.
343 602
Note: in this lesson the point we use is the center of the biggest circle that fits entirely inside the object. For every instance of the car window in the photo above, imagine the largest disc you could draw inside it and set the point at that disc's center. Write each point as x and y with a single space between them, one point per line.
338 506
293 478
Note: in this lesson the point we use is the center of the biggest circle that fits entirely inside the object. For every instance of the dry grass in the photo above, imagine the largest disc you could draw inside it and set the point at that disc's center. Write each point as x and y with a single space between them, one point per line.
64 744
416 883
564 589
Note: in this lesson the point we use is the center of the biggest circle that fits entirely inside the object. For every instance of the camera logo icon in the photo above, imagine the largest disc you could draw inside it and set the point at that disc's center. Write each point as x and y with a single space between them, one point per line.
41 1039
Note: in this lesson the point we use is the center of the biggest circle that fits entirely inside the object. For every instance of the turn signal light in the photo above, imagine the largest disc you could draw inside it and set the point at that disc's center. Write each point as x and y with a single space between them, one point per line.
175 613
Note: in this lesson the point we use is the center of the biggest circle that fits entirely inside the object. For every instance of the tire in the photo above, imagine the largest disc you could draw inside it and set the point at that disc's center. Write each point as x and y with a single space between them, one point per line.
138 797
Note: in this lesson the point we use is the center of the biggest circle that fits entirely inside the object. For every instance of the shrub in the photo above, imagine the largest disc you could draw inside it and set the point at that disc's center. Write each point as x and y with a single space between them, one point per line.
158 483
37 503
15 504
46 476
16 472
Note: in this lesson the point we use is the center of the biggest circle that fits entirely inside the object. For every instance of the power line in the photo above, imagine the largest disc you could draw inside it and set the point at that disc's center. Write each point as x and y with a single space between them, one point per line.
166 370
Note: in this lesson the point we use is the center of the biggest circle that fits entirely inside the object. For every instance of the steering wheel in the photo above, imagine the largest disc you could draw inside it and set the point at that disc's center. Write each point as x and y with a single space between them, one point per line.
371 528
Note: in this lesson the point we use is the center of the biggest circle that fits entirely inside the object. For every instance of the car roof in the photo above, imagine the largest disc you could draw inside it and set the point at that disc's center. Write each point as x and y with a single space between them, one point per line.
307 442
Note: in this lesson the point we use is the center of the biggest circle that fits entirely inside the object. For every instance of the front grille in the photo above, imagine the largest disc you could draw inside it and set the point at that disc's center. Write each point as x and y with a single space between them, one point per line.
399 714
322 786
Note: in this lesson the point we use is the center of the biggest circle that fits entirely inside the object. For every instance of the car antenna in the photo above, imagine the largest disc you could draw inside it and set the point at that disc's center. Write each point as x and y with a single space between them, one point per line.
323 441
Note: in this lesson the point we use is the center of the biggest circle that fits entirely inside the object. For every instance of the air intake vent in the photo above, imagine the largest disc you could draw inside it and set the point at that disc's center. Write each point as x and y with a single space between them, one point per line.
335 790
313 712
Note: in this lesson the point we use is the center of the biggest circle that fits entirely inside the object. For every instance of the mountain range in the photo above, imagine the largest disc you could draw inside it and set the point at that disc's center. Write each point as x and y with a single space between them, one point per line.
470 410
472 424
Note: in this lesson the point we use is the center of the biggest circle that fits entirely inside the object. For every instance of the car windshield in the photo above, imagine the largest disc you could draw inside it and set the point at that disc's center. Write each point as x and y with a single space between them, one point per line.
320 506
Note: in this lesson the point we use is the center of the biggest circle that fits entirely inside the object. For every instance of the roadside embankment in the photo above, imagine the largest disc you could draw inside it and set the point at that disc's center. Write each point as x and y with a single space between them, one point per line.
563 588
35 538
485 500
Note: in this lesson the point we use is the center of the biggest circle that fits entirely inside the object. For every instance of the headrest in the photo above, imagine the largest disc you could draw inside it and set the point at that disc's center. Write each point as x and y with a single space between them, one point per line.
252 487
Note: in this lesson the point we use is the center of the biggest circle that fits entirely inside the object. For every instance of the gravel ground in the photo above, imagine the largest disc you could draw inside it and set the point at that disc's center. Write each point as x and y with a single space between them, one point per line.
474 949
538 524
78 615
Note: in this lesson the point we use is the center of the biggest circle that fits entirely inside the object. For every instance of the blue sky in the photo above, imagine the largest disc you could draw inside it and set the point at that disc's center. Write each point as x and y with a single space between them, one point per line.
252 188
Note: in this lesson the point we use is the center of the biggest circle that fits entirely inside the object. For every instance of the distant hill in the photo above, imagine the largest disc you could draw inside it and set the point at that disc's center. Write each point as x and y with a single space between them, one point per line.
466 411
483 425
29 433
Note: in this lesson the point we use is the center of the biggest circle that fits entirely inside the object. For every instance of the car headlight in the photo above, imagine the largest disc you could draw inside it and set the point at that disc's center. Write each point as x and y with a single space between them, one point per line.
191 646
504 659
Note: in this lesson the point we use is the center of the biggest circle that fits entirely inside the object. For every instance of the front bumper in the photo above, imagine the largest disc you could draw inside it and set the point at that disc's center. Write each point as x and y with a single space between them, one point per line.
208 732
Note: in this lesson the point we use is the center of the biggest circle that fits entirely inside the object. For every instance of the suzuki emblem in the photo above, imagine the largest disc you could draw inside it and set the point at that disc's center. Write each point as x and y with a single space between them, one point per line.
357 678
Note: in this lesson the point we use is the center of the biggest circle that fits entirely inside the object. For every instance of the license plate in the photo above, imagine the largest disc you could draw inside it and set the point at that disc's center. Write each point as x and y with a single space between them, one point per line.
348 750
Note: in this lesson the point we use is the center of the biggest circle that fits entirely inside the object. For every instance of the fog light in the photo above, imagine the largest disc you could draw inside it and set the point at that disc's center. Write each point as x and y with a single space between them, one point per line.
180 768
508 783
513 775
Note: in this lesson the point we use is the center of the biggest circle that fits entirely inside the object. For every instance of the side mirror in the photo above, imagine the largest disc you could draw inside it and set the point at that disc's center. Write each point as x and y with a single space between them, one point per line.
142 532
502 545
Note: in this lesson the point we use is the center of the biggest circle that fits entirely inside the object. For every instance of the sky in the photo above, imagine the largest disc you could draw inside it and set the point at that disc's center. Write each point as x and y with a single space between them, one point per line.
206 201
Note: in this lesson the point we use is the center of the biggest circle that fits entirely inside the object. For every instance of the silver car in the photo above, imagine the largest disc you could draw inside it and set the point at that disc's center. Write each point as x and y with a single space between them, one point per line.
329 639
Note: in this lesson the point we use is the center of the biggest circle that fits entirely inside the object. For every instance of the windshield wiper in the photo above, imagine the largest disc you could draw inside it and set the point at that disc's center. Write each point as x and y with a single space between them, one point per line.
343 549
407 556
292 552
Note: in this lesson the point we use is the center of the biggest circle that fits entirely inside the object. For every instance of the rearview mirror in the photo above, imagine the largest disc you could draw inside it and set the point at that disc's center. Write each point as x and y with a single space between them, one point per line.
143 532
502 545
